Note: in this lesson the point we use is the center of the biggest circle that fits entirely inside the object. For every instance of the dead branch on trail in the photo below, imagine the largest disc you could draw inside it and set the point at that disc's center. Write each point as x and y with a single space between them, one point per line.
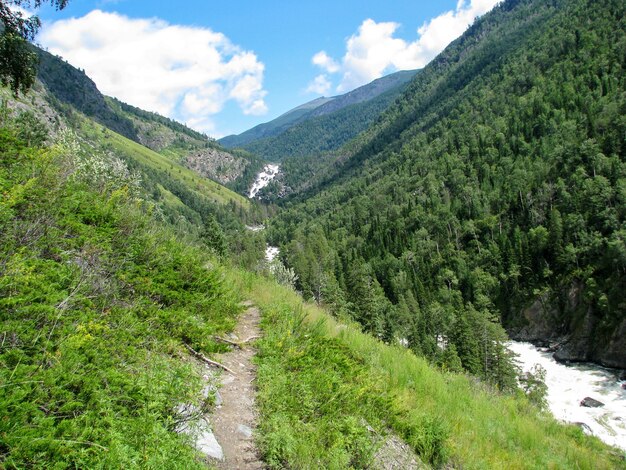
205 359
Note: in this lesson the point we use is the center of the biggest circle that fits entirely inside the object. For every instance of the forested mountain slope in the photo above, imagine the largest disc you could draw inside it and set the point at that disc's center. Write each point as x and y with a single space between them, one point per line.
330 125
100 300
493 189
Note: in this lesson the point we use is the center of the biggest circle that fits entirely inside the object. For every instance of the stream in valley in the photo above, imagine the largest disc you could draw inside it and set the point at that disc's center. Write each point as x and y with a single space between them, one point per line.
568 385
263 179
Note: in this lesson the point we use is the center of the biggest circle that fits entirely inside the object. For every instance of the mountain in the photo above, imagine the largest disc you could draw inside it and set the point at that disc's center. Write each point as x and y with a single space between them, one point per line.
69 90
366 92
274 127
490 192
108 314
322 124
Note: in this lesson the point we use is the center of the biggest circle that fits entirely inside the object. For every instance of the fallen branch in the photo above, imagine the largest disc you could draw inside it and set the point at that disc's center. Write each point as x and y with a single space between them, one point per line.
203 358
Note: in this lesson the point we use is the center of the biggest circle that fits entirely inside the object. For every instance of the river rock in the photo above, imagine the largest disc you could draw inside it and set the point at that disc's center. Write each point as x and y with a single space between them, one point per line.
570 327
585 428
591 403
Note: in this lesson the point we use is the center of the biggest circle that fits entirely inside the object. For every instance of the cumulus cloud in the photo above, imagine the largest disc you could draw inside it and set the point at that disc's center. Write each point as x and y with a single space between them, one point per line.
323 60
186 73
321 85
374 51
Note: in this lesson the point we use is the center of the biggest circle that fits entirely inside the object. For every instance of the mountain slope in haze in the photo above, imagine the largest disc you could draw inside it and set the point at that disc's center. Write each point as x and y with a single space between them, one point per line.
328 124
274 127
366 92
494 188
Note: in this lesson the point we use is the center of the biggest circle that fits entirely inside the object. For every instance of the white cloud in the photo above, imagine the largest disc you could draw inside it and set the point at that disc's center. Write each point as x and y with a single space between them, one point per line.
374 51
186 73
323 60
320 85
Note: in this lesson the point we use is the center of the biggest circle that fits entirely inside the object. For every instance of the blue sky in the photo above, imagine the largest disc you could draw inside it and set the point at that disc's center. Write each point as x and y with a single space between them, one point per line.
223 67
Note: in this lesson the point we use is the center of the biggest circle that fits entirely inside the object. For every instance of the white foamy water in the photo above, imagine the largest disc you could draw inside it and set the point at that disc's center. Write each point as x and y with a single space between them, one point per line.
271 252
568 385
263 179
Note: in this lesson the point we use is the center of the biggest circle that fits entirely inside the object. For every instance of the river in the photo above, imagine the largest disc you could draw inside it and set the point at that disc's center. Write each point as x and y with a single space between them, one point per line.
569 384
263 179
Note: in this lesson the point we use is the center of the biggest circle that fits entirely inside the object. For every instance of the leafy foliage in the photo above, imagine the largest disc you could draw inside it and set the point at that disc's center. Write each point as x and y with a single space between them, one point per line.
95 304
17 61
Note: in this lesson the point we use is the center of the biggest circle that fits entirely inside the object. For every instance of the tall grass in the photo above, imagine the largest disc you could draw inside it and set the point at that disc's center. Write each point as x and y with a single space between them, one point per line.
449 419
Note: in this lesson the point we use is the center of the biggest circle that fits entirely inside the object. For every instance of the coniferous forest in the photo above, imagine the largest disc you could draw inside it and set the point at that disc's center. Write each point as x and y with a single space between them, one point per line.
495 181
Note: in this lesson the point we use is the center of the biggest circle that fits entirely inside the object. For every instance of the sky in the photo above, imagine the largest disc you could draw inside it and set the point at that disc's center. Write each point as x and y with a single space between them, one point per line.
222 67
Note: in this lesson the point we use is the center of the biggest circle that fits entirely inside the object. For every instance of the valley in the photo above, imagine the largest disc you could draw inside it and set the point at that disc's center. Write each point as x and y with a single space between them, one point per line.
426 269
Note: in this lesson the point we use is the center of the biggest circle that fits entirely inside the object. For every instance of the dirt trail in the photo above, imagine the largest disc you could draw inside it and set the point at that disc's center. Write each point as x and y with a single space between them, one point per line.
235 419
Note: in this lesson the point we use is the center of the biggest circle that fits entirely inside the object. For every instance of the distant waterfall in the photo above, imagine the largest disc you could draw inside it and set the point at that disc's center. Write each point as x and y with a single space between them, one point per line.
263 179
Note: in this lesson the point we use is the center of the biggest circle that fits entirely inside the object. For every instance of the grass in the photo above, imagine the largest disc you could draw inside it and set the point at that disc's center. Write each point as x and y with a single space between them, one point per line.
96 301
320 381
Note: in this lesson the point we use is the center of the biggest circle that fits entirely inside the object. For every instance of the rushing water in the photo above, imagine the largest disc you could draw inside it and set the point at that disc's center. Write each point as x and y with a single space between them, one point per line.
568 385
271 252
263 179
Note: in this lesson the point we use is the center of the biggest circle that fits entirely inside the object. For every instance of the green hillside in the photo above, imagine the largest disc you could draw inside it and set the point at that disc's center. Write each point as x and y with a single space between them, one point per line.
152 160
69 90
330 395
99 300
494 184
96 302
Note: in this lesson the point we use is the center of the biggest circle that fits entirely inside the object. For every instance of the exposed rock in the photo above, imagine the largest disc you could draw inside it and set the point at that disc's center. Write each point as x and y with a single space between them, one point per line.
591 403
569 327
394 454
208 445
539 326
586 429
215 164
